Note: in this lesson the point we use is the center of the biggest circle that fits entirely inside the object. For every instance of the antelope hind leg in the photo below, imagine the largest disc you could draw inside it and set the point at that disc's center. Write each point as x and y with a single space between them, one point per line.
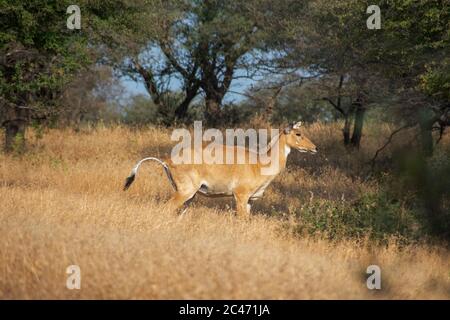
178 200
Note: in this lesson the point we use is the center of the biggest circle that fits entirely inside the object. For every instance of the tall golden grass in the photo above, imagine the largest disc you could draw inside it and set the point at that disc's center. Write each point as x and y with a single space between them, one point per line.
62 204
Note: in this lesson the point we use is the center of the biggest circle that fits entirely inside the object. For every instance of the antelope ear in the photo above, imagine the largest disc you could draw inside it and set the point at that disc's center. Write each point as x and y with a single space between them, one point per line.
288 129
297 125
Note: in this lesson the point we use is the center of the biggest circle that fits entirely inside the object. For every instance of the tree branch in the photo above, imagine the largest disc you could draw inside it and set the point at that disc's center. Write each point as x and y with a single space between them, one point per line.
338 108
389 140
149 80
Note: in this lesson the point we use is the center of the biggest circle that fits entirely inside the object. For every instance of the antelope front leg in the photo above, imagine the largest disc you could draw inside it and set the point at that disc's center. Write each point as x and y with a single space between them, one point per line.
242 205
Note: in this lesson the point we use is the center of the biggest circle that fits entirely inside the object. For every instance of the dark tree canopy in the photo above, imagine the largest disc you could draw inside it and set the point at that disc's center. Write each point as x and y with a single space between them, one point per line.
39 56
198 45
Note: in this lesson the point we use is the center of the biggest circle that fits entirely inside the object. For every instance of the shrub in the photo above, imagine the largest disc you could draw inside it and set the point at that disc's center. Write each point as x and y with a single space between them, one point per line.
373 215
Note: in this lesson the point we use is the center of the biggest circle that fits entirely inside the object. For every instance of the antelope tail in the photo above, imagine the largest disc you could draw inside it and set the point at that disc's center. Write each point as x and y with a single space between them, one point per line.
133 173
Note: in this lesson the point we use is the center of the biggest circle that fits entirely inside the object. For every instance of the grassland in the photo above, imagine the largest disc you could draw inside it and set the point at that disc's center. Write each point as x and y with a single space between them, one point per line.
62 204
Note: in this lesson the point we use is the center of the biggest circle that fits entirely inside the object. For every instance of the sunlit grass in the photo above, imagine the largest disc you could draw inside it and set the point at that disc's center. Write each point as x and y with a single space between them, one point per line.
62 204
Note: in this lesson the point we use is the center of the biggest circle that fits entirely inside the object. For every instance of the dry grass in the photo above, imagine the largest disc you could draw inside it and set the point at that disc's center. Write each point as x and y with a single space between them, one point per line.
62 204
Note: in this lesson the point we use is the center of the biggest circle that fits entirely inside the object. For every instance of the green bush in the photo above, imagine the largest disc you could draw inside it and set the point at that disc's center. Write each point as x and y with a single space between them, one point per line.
373 215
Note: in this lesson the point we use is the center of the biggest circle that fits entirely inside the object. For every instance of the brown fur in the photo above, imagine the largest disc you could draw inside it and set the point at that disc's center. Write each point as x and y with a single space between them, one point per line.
243 181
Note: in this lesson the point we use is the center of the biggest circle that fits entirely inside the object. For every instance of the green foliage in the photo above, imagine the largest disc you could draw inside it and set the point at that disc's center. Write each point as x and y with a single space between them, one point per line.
236 115
303 103
143 111
140 111
377 215
415 39
429 180
44 53
38 129
40 56
18 146
435 82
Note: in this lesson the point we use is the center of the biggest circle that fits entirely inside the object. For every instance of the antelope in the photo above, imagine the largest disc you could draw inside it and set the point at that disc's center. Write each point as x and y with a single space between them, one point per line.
244 182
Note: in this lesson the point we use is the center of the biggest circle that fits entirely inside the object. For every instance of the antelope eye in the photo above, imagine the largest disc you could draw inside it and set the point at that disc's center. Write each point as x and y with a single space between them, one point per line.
298 134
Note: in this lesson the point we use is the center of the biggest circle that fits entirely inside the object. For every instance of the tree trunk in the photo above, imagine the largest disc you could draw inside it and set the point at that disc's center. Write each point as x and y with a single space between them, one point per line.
182 109
213 112
426 138
426 121
346 130
358 126
15 135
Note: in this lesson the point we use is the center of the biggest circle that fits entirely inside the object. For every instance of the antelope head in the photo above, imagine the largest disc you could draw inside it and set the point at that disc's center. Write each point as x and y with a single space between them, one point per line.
297 140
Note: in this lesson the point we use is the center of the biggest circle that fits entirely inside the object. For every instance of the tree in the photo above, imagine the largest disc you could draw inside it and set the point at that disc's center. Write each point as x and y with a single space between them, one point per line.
197 45
94 95
39 56
413 51
407 58
332 44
